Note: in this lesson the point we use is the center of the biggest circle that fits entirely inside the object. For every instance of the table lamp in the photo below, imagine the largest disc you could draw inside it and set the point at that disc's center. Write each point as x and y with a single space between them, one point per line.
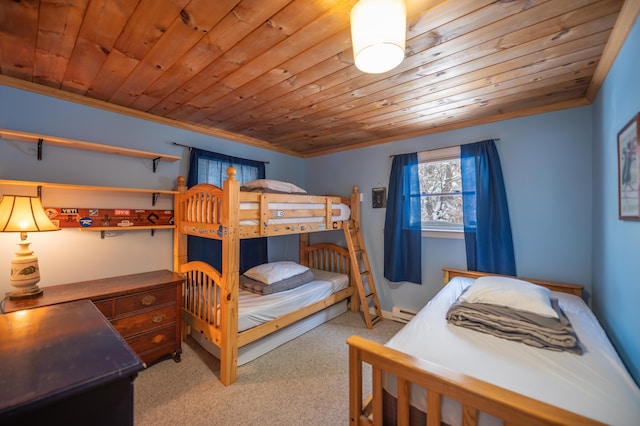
24 214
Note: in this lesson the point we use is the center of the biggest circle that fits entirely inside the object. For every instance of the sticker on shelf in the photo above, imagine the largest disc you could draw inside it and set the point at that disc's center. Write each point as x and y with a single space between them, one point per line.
65 217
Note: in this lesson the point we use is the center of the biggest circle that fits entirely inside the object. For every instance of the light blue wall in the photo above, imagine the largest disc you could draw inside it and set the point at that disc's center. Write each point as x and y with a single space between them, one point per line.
616 243
29 112
546 161
69 255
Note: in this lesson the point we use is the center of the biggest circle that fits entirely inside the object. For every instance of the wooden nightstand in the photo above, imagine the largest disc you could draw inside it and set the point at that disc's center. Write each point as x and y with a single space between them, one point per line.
65 364
145 308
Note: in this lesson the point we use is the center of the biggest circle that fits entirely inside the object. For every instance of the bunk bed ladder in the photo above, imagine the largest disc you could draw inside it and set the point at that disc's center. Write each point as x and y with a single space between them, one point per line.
361 272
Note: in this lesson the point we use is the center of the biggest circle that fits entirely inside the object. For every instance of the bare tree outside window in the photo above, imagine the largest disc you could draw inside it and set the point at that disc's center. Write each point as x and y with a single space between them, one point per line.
441 194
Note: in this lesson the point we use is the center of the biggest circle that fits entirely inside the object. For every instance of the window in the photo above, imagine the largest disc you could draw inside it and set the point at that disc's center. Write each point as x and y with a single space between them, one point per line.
211 167
214 170
441 192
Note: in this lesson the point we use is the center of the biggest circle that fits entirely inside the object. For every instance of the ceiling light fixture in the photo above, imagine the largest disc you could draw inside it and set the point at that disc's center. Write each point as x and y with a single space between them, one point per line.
378 32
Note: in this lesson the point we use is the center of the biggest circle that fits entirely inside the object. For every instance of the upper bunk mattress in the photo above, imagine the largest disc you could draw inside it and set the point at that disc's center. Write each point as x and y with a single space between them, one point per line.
344 212
595 384
255 309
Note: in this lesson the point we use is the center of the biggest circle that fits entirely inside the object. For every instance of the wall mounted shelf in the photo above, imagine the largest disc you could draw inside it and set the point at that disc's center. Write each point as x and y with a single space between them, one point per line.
154 192
104 229
41 140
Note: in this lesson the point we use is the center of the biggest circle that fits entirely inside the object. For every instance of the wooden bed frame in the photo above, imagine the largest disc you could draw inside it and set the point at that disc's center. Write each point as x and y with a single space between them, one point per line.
474 395
210 297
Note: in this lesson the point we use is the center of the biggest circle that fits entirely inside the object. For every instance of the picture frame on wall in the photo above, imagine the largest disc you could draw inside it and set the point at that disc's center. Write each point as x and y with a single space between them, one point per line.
378 198
629 171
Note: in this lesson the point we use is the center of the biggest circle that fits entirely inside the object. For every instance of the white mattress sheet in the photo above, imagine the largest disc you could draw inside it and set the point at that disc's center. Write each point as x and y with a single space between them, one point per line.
255 309
345 212
595 384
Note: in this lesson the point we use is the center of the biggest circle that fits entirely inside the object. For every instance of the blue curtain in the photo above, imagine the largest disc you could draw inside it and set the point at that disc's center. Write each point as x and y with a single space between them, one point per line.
487 229
402 225
211 167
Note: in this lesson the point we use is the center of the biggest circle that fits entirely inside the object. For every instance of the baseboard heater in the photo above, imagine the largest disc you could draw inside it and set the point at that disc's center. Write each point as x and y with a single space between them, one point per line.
403 315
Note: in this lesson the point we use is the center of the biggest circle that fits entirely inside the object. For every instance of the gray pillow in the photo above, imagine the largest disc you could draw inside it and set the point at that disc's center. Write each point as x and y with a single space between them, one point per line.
258 287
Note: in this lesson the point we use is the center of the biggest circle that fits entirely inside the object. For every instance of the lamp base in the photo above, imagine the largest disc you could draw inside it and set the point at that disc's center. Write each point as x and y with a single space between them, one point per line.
25 272
26 294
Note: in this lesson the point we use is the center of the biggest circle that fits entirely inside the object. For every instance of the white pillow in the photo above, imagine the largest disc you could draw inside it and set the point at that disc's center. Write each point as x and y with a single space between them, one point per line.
273 272
274 185
511 292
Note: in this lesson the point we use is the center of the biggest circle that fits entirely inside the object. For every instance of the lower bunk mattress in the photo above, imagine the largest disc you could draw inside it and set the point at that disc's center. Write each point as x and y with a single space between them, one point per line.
594 384
254 309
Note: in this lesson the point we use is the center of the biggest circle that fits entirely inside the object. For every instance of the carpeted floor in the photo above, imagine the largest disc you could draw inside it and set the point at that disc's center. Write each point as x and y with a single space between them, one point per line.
304 381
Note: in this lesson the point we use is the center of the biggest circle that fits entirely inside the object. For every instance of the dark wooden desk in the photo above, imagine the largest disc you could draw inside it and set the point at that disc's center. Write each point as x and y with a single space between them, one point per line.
65 364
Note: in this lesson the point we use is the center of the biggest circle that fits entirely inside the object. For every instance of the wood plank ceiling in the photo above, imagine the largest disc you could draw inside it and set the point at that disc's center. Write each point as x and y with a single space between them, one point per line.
279 73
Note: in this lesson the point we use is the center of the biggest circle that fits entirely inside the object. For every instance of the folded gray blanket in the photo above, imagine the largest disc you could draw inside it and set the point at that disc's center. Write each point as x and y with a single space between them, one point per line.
526 327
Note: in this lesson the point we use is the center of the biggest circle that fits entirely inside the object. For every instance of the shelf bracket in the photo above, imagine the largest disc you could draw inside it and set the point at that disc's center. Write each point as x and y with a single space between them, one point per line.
154 198
155 164
102 234
153 232
40 141
39 189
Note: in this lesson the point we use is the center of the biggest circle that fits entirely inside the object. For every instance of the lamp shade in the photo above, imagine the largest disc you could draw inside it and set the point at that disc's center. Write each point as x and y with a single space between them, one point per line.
378 32
23 214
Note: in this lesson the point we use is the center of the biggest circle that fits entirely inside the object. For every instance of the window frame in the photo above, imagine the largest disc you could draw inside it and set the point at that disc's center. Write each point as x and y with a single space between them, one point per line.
439 155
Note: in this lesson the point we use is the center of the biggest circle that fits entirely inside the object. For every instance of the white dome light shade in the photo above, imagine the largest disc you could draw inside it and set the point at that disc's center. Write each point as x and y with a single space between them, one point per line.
378 32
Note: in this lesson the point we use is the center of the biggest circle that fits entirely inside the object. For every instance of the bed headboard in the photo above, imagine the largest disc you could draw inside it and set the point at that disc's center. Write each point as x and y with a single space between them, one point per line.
576 289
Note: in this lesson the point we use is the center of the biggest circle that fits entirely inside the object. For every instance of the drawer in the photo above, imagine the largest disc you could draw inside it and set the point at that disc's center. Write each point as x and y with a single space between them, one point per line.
105 306
146 300
135 324
165 336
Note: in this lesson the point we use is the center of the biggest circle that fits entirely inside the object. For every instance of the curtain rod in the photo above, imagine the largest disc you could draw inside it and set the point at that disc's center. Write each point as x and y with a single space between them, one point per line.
435 149
182 145
190 147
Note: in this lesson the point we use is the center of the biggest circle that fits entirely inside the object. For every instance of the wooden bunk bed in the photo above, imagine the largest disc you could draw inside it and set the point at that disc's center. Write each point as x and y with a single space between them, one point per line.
412 385
210 297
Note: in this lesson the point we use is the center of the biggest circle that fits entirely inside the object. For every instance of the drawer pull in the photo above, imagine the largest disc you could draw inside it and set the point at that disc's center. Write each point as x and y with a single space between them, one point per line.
148 300
158 318
159 338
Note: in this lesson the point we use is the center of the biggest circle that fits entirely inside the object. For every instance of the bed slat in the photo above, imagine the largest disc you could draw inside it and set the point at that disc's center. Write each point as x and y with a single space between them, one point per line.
403 402
328 257
474 394
201 204
469 415
376 382
434 401
201 298
355 387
